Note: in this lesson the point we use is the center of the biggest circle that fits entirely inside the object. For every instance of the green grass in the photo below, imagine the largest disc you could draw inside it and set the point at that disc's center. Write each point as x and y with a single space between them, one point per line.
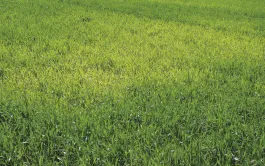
132 82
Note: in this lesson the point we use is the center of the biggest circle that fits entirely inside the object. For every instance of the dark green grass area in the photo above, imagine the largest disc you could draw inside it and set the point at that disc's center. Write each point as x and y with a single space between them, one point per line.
130 82
222 16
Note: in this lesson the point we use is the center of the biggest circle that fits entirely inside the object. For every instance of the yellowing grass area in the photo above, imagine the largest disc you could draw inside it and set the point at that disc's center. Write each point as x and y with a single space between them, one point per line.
132 82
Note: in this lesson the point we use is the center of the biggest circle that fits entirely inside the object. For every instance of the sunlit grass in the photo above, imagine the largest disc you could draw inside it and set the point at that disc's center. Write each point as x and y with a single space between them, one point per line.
155 82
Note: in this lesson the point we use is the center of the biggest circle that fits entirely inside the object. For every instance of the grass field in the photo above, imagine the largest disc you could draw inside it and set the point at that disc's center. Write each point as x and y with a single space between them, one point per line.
132 82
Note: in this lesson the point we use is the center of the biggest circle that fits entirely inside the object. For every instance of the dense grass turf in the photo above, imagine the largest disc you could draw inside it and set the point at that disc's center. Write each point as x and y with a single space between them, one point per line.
132 82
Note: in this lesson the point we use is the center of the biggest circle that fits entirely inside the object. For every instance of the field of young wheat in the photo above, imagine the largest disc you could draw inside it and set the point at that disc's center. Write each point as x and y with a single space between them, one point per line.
132 82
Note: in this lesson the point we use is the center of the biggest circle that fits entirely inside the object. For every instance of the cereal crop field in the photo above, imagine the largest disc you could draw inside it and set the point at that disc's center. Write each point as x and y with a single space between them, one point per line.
132 82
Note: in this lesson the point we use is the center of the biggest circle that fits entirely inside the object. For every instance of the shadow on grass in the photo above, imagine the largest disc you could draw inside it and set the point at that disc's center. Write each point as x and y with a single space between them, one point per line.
214 17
